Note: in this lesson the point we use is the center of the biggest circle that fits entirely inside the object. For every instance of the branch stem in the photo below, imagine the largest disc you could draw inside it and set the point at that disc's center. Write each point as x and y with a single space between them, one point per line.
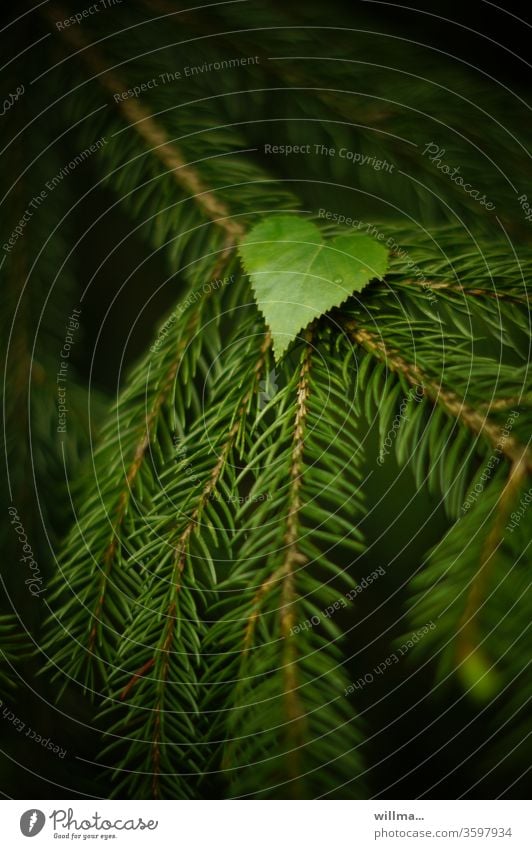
455 406
151 132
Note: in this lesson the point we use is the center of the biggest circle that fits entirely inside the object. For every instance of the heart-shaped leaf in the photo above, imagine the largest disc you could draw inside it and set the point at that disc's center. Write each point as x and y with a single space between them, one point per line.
297 277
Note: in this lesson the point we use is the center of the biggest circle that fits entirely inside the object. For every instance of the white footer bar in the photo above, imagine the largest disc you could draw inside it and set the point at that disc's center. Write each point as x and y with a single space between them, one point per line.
267 824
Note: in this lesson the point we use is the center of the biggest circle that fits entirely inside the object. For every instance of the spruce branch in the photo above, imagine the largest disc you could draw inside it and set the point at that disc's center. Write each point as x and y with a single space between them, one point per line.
285 576
469 637
127 449
217 523
153 135
474 585
149 706
455 406
144 440
524 399
296 731
181 548
469 291
285 720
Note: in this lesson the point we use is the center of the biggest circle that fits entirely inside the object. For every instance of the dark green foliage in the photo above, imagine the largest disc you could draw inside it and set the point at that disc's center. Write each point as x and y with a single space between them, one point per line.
220 511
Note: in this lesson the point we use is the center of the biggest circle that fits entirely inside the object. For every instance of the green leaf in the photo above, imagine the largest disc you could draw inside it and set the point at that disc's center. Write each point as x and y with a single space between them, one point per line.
296 277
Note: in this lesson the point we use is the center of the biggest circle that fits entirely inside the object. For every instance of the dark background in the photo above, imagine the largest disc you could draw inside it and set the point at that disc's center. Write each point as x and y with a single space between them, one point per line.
420 764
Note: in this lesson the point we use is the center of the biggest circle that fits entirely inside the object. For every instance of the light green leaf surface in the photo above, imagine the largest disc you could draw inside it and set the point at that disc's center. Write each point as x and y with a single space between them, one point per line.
297 277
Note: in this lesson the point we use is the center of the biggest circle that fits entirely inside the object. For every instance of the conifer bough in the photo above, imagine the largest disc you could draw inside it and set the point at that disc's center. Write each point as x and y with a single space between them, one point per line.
214 518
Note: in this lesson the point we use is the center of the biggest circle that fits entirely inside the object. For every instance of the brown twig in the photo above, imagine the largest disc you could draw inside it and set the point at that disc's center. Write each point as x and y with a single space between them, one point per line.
468 641
472 291
133 470
452 403
296 729
181 547
154 136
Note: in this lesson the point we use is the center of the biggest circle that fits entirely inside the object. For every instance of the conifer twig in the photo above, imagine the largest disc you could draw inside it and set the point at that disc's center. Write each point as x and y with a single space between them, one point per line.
454 405
470 291
133 470
285 573
154 136
294 558
468 640
180 554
